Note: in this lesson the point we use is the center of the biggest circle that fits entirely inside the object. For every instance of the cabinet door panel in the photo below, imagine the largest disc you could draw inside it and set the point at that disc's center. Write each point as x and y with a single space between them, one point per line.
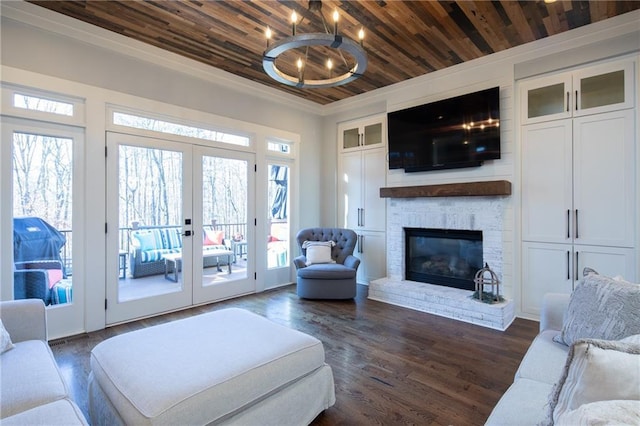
371 250
546 182
610 261
374 173
350 193
547 268
604 179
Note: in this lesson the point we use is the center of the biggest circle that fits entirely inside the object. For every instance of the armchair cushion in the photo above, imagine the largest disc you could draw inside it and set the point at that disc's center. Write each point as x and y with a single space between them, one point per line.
327 271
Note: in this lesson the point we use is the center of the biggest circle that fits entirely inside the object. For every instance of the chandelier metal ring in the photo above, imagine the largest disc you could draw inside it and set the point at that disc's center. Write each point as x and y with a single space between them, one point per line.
314 39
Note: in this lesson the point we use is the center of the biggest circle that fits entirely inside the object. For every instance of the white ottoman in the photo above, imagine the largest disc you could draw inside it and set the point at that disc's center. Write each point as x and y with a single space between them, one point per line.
225 367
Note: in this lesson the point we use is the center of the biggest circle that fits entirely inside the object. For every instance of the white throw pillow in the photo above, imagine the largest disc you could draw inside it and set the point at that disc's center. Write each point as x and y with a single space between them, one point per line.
597 370
603 413
319 254
601 308
318 251
5 339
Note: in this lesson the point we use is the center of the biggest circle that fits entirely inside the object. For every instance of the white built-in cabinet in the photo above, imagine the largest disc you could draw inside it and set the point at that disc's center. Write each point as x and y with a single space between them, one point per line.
578 179
361 173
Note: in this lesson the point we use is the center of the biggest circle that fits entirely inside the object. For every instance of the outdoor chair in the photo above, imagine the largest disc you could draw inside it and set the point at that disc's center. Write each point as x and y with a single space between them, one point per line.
327 268
36 279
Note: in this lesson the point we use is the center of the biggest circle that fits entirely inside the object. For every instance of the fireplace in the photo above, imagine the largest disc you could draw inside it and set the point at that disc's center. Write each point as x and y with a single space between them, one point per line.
443 257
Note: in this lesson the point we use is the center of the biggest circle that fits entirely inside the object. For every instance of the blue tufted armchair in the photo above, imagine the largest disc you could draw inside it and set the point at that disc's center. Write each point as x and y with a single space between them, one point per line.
335 279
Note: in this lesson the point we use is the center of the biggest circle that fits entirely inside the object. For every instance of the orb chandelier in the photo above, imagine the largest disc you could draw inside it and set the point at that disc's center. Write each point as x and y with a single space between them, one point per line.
330 39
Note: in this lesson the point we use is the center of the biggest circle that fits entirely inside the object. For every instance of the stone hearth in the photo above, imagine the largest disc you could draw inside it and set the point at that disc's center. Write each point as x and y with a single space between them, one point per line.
486 214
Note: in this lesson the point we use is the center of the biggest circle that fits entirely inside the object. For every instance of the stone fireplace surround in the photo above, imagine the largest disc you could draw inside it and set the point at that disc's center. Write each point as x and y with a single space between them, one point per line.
483 213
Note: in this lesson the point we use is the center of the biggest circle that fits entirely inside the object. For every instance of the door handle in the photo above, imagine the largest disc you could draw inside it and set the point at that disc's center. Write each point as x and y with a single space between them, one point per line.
575 278
362 219
576 100
577 224
187 234
568 101
568 269
568 223
361 243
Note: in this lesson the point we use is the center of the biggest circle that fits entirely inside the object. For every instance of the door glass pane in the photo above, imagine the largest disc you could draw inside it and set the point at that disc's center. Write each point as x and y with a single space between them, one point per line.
42 218
350 138
600 90
373 134
150 222
546 100
224 217
278 239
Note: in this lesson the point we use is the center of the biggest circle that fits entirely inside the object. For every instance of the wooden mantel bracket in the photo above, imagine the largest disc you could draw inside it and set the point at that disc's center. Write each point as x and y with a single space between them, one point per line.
469 189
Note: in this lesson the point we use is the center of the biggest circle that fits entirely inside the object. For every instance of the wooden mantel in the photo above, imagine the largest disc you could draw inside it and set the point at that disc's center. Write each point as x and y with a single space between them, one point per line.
469 189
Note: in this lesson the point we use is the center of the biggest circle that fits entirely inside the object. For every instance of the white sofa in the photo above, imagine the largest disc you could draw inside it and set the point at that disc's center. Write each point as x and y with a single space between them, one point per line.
600 322
32 389
524 403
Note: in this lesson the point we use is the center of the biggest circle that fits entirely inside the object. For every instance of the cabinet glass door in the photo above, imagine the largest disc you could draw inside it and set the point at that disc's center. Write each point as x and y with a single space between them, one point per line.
546 101
350 138
373 134
600 90
603 88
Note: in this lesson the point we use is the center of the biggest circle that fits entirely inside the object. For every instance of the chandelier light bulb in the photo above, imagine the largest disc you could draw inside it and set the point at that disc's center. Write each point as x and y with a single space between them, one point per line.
268 34
329 64
299 64
335 21
361 36
294 19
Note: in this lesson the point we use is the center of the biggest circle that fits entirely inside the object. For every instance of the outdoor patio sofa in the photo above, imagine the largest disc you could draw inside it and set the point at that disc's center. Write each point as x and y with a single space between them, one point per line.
149 245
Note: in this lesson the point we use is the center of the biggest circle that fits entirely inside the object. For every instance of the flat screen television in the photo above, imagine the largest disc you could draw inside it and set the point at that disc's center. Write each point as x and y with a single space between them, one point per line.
452 133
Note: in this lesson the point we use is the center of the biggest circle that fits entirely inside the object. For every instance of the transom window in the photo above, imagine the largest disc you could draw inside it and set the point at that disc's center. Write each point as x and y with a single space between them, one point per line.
161 126
35 103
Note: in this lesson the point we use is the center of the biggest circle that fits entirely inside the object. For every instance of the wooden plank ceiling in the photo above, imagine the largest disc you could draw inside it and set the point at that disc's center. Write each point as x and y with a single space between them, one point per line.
404 39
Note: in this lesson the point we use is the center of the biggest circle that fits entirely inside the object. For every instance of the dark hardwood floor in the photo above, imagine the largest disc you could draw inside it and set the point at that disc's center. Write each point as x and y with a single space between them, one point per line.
391 365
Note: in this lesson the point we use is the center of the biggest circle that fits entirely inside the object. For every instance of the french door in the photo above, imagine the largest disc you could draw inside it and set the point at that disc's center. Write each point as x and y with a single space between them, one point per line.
176 212
42 240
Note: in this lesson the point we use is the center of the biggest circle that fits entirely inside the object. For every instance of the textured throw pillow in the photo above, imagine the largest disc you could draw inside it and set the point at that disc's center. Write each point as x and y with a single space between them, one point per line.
5 339
213 238
318 252
145 241
603 413
597 370
601 308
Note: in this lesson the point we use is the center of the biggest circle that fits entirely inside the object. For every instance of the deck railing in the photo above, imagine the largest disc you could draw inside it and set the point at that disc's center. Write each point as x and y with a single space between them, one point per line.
124 239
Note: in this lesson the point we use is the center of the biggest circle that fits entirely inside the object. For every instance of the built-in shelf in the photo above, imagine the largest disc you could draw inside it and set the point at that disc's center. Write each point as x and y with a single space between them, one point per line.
469 189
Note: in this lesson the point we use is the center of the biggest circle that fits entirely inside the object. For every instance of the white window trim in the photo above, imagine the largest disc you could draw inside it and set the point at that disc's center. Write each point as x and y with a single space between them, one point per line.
8 108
